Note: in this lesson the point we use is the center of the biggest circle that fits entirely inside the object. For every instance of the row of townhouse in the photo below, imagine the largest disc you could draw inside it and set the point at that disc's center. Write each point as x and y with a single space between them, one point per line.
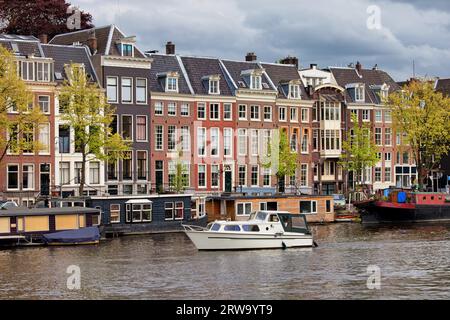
216 116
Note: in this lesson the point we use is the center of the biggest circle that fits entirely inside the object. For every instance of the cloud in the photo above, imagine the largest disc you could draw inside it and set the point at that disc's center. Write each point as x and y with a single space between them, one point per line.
327 32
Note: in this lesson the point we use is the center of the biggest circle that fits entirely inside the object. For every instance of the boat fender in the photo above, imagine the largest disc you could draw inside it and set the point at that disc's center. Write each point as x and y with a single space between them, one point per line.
315 244
284 245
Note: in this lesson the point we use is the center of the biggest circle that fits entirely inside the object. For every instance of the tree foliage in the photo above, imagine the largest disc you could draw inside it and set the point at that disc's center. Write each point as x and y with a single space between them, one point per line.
423 116
358 150
178 181
86 111
19 117
36 17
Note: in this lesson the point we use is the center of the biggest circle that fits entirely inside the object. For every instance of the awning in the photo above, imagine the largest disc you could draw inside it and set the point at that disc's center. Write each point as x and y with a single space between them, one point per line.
138 201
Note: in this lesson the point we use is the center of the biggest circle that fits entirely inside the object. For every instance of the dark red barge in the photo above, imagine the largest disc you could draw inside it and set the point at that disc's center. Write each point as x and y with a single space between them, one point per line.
400 206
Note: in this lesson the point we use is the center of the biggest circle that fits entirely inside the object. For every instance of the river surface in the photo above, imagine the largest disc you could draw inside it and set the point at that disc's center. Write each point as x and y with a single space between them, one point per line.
414 262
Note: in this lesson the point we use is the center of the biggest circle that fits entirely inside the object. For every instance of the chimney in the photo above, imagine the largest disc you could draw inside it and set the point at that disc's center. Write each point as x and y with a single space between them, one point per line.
43 38
170 48
290 60
251 56
313 66
358 67
92 42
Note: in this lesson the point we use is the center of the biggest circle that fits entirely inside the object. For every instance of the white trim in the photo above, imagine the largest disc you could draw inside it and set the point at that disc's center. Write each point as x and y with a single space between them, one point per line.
146 91
132 126
131 90
185 75
146 127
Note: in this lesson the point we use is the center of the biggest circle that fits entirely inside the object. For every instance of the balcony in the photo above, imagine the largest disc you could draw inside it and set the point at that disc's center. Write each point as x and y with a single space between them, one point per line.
330 153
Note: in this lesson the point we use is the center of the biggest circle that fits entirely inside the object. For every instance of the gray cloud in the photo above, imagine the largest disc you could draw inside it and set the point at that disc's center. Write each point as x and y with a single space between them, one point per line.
327 32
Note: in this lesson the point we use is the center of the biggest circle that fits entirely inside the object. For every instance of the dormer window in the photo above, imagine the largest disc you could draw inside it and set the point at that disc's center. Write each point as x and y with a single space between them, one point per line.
359 93
127 50
294 91
172 84
213 86
255 82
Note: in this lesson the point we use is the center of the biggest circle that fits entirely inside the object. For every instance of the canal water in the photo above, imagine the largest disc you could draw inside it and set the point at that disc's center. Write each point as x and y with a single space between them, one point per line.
414 263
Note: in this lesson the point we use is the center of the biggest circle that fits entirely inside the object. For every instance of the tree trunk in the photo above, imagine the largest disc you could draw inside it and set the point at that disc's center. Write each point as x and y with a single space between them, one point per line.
82 178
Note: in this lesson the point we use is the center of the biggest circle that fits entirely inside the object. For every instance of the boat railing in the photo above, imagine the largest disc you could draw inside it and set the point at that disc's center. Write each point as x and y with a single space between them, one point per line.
193 228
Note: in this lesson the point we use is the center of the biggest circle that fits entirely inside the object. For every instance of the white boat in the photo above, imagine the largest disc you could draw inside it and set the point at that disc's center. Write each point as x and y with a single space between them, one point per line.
263 230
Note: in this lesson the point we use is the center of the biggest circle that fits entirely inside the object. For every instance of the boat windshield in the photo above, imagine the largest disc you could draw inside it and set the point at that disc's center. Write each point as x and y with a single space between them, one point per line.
294 223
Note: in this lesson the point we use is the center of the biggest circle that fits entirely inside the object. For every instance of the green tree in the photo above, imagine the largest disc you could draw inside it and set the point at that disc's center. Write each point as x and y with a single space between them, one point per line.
19 118
86 111
359 151
422 115
178 182
280 158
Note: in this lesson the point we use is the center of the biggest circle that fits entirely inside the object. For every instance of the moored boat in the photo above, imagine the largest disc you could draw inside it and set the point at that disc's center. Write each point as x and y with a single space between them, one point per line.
263 230
90 235
400 206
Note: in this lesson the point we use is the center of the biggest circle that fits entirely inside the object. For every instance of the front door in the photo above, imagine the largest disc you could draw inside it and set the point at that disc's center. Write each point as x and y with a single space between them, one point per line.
45 179
228 181
159 176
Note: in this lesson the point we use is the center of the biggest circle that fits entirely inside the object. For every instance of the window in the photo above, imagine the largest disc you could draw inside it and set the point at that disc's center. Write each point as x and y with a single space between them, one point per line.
308 207
227 142
254 176
387 116
171 138
377 174
266 177
114 213
359 93
387 174
94 172
201 111
27 177
159 108
64 139
365 115
214 142
214 87
172 109
112 169
378 116
387 136
184 110
26 69
227 111
305 115
315 140
294 91
185 138
255 82
214 176
293 143
387 156
158 137
266 141
405 157
141 90
282 114
127 127
330 111
127 50
267 113
254 113
242 142
304 175
214 111
179 209
127 85
242 175
172 84
353 113
127 166
244 209
139 212
28 138
77 172
13 176
305 138
44 103
141 128
44 138
242 112
294 114
378 136
202 176
64 173
254 142
201 141
43 71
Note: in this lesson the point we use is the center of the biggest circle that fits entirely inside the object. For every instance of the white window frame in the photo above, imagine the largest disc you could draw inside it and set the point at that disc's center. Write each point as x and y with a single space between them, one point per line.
171 88
132 126
122 90
244 205
202 105
169 105
216 144
159 104
145 91
156 137
230 105
211 111
285 114
225 138
245 112
32 176
270 113
206 176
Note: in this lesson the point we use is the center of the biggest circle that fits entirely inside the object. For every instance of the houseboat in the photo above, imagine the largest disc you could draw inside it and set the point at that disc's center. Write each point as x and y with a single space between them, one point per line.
403 206
23 226
263 230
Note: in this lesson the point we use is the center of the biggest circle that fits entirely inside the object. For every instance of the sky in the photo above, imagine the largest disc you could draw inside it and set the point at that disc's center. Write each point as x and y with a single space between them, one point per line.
389 33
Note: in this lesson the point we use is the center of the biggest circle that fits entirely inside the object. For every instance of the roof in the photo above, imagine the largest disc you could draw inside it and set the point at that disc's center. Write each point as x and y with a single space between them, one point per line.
63 55
197 68
106 39
22 211
281 74
26 45
268 197
368 77
443 86
167 63
235 69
